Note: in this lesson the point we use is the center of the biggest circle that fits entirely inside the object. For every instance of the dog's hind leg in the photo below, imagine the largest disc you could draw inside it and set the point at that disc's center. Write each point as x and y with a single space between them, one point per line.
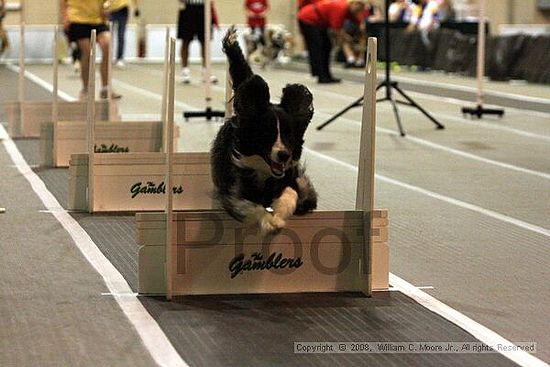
307 196
238 67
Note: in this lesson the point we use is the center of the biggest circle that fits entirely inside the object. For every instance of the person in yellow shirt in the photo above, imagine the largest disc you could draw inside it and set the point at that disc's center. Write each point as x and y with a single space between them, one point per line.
79 18
4 40
118 14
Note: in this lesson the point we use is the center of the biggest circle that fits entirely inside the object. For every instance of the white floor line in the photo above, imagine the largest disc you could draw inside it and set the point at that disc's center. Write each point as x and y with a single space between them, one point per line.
213 86
458 119
140 116
119 294
394 289
467 155
462 103
41 82
451 150
488 125
464 121
447 199
473 90
150 94
482 124
479 331
154 339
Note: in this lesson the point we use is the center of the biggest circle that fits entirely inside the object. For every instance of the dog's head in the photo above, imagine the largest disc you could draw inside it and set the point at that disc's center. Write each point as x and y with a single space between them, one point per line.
269 137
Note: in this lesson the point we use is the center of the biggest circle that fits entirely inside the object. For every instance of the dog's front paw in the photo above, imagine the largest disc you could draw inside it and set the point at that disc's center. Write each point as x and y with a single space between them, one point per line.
306 206
270 224
230 38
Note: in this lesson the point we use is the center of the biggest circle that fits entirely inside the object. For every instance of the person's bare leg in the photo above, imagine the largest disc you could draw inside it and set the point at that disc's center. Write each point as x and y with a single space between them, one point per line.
84 45
203 53
104 41
184 53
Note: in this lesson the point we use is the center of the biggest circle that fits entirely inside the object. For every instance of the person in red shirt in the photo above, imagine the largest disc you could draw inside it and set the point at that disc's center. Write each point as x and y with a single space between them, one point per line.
302 3
256 11
315 21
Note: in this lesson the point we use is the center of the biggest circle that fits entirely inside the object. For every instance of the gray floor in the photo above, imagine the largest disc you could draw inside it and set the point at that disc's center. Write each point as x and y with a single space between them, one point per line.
51 302
260 330
485 267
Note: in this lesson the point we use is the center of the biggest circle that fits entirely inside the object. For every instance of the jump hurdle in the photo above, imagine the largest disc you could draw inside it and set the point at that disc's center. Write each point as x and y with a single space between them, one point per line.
201 252
25 117
135 182
60 139
102 182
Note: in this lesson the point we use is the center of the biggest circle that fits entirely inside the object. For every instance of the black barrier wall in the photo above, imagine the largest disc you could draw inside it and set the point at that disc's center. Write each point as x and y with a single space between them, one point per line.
507 57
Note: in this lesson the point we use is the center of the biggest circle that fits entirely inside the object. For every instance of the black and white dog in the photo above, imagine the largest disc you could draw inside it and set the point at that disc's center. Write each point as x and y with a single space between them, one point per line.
256 154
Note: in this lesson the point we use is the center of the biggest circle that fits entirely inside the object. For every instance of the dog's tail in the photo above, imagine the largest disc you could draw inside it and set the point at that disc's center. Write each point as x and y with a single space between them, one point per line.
238 67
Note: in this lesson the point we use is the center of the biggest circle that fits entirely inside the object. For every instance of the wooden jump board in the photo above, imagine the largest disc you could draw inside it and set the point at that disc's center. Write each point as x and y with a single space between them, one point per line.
135 182
37 112
58 140
320 252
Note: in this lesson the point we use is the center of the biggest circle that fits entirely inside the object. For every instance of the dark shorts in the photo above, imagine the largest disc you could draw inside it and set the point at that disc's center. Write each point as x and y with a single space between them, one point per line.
79 31
191 23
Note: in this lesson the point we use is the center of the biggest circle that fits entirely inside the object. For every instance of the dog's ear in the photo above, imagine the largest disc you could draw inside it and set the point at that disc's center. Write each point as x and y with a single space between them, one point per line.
297 101
252 97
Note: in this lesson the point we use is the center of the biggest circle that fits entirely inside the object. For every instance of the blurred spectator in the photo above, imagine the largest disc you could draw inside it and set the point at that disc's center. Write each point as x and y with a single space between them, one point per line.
400 11
80 17
445 11
315 20
191 25
354 50
118 15
4 40
424 15
373 12
256 11
74 50
424 19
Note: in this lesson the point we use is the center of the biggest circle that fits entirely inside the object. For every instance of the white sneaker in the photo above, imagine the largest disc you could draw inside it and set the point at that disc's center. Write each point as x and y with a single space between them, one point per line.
186 75
213 79
120 64
76 67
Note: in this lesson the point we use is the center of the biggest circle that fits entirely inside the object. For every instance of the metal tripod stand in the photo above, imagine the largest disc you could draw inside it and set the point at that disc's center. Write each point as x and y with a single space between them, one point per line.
389 85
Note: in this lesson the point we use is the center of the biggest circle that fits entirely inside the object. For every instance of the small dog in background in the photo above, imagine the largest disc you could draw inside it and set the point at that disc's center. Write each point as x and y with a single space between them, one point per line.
277 46
256 154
